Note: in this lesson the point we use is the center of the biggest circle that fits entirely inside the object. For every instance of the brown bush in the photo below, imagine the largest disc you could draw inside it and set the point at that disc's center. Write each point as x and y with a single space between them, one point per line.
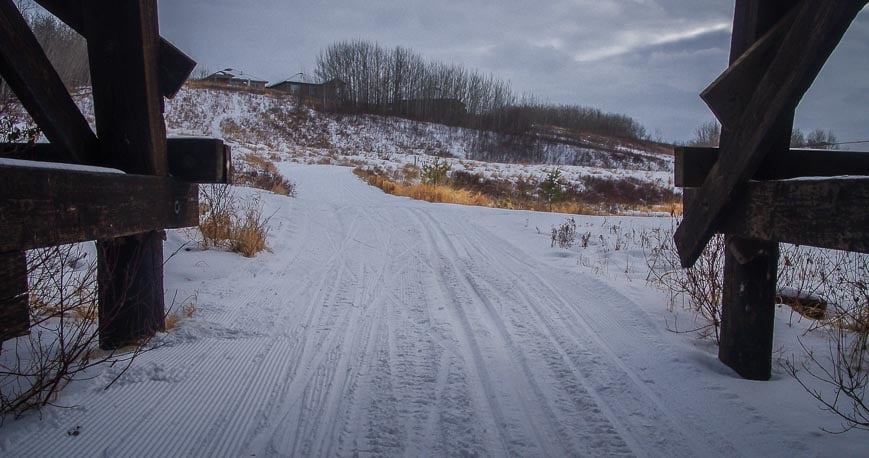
228 222
258 172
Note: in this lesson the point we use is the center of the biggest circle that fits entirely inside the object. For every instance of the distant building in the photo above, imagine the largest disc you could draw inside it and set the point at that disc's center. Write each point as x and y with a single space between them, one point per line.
236 78
329 93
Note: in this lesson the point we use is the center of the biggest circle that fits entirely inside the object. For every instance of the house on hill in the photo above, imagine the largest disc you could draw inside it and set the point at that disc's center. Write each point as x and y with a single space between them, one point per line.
329 93
236 78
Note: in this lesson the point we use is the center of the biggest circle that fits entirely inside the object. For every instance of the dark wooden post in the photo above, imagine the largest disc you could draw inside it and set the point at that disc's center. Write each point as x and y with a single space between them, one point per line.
751 267
14 315
123 43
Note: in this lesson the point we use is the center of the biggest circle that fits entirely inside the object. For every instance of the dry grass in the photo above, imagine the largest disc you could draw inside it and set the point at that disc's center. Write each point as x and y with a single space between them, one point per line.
258 172
229 222
470 189
426 192
249 232
187 311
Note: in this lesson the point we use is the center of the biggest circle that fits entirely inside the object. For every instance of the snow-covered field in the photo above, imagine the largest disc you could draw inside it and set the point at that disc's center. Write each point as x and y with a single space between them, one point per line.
381 326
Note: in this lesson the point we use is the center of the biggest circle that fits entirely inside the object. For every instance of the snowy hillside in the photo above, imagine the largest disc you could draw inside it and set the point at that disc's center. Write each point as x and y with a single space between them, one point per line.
384 326
258 123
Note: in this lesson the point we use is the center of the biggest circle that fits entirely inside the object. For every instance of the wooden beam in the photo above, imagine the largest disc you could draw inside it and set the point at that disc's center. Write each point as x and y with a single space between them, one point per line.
123 40
730 93
174 66
194 160
692 164
748 311
28 72
826 213
817 30
42 207
122 49
14 313
199 160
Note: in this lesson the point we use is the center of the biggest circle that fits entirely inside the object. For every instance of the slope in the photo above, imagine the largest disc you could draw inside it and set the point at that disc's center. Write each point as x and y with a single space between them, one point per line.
388 327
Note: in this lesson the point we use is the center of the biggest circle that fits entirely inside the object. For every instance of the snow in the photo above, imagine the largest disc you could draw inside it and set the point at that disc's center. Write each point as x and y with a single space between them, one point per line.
56 166
378 325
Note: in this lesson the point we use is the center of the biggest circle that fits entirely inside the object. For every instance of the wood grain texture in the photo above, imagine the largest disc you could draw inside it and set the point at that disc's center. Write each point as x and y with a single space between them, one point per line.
729 95
45 207
14 315
194 160
817 29
122 49
692 164
822 213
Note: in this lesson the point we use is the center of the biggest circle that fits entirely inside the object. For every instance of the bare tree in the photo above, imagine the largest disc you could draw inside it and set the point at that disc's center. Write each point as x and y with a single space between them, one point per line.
708 134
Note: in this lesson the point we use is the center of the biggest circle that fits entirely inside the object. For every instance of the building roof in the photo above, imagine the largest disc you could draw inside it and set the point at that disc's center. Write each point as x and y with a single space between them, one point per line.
235 74
299 78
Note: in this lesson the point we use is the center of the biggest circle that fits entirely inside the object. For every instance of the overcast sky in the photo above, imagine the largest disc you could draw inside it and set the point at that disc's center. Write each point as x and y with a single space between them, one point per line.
646 58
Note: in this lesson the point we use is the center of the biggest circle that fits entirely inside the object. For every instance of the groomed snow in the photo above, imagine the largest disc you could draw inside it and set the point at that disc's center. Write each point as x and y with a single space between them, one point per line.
381 326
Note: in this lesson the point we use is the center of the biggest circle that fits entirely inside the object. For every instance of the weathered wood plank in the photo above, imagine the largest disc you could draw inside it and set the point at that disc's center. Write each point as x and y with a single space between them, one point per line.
816 31
123 40
748 312
122 45
45 207
822 213
130 279
199 160
692 164
747 306
174 66
28 72
195 160
731 92
14 314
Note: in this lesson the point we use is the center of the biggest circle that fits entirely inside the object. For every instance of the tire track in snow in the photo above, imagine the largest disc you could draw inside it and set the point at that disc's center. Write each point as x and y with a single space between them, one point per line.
512 437
597 425
645 411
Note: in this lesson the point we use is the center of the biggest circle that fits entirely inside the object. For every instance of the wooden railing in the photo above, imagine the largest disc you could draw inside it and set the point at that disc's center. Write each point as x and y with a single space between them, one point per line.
132 69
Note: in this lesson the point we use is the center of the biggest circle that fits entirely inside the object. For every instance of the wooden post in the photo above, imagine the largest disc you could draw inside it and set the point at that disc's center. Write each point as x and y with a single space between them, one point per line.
130 278
14 314
123 43
748 299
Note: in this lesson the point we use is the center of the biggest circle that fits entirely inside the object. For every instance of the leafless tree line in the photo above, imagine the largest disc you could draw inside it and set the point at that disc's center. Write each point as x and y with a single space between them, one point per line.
709 135
401 82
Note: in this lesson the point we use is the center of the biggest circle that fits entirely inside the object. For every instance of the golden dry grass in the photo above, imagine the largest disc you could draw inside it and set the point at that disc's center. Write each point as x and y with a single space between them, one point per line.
262 173
232 223
426 192
450 194
187 311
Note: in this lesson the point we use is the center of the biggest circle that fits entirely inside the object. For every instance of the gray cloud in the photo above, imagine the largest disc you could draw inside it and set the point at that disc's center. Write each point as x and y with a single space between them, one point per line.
646 58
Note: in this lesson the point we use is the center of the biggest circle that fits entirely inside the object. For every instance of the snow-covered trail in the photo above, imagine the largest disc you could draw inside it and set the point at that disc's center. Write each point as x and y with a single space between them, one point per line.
384 326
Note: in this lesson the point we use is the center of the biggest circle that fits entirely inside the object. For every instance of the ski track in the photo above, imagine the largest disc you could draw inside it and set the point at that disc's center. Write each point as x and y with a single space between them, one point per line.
386 327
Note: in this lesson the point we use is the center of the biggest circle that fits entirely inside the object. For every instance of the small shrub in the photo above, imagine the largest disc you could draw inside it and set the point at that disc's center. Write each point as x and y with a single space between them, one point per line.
217 211
258 172
62 343
564 235
435 172
249 232
188 309
698 287
228 222
551 187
